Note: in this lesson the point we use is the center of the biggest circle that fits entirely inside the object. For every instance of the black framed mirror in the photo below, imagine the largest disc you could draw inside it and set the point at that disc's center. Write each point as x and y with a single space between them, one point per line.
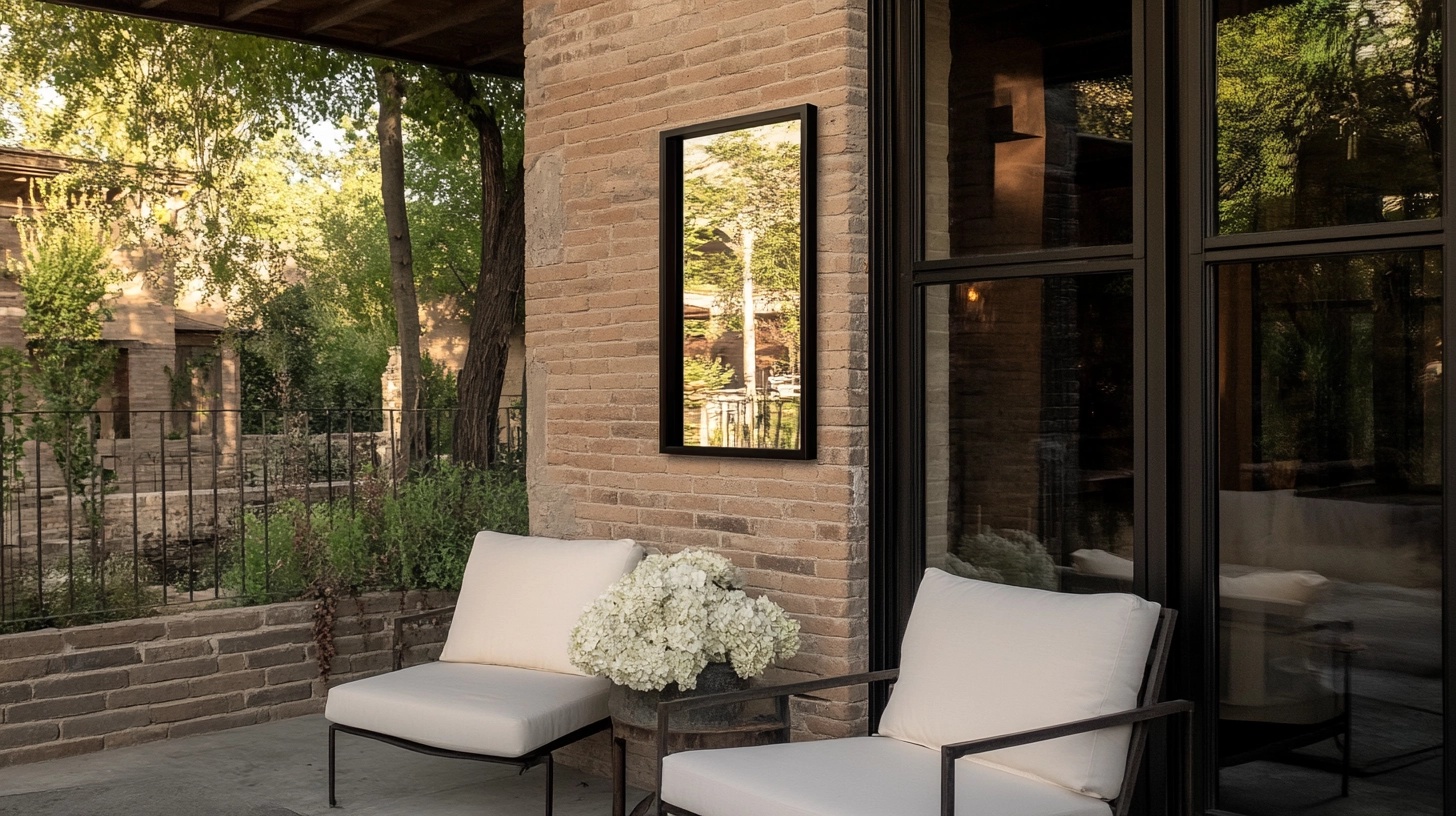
738 303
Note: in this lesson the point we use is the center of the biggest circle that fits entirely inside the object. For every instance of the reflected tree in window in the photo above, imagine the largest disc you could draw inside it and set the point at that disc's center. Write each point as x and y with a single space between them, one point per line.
1328 113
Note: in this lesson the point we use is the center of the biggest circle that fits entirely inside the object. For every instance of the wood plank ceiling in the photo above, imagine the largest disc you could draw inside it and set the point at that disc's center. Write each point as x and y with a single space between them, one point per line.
480 36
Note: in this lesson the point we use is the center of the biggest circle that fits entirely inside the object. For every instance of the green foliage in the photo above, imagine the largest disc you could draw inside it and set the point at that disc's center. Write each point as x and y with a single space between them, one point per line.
77 591
417 537
742 183
157 99
299 354
279 363
1013 557
438 391
1327 81
65 271
702 374
64 268
12 431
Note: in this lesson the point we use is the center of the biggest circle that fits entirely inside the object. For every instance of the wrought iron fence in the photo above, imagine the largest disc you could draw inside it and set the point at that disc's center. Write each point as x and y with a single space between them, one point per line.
731 419
105 512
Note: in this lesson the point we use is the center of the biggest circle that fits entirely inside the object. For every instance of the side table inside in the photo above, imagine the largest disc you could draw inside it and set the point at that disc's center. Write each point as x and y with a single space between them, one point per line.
758 730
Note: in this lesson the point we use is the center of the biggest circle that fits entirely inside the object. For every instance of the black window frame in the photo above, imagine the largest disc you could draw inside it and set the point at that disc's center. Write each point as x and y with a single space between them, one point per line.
1173 257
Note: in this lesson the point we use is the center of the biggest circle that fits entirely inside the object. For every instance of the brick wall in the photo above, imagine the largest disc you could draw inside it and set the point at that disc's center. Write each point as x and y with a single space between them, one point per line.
72 691
603 78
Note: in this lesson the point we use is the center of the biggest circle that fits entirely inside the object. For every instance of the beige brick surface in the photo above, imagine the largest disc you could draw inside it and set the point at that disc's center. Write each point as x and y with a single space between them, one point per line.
603 79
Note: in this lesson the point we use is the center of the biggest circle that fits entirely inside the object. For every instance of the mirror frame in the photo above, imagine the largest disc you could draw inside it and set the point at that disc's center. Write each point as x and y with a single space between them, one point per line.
671 318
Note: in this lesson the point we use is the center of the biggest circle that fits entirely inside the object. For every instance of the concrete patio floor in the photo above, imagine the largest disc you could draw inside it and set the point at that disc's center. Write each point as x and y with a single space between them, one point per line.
281 769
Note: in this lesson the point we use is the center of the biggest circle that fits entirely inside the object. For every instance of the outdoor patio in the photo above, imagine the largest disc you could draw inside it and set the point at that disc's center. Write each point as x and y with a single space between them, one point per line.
281 769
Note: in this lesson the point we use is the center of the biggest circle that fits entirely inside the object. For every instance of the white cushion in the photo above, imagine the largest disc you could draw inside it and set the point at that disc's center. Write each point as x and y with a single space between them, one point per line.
859 776
495 710
1102 562
982 660
521 596
1292 586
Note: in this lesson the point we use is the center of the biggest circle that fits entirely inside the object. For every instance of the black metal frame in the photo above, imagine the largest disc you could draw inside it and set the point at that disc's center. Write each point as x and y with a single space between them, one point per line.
1336 728
525 762
671 260
1155 669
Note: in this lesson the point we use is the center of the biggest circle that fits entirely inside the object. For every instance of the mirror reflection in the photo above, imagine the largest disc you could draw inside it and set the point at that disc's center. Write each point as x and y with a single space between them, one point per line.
742 293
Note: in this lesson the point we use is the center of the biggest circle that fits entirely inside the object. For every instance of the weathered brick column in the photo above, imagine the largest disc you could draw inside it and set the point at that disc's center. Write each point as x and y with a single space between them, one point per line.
603 78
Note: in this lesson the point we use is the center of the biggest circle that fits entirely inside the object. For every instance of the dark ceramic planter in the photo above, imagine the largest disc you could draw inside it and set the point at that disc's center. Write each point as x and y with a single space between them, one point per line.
639 708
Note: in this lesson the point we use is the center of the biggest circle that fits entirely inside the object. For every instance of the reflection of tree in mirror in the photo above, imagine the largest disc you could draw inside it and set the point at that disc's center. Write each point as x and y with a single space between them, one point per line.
741 262
1329 113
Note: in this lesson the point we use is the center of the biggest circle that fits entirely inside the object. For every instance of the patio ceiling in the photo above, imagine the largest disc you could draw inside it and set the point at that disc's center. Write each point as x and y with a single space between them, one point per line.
481 36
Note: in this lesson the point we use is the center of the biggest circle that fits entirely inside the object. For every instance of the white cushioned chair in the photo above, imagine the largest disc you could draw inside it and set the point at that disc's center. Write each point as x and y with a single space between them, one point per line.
1008 702
503 689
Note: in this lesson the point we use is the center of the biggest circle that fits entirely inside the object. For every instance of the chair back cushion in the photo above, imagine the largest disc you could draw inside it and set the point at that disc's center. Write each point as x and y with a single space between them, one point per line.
982 660
521 595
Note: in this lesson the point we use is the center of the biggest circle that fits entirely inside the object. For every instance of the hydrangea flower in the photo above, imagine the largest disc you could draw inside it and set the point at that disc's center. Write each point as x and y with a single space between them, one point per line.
672 616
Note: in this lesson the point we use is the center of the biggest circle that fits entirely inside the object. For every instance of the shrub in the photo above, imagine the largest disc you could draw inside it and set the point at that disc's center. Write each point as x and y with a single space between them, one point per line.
267 566
77 591
1005 557
417 536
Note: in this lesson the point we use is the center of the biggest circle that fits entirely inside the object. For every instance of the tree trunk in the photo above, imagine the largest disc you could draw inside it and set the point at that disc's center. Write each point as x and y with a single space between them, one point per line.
497 289
411 446
750 343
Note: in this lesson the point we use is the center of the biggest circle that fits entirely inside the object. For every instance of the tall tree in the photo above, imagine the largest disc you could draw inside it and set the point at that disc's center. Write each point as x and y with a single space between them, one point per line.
502 272
401 258
154 103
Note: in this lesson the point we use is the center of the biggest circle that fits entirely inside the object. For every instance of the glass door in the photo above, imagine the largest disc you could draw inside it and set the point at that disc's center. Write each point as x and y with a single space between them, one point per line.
1330 534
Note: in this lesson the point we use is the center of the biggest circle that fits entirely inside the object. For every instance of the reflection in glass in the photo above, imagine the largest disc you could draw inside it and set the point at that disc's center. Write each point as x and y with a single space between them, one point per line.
1327 113
1029 404
1028 125
1330 535
741 301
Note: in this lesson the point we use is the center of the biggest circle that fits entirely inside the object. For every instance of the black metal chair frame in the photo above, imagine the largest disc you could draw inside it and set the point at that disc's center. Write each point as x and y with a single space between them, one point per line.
1289 737
1138 718
525 762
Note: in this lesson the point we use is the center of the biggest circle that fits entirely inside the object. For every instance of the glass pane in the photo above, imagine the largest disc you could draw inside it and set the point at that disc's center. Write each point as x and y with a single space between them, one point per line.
1028 125
1330 535
1329 113
1029 411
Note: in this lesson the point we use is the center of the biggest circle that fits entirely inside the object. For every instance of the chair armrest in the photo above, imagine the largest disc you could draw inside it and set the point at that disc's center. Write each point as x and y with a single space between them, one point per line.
950 753
770 692
400 621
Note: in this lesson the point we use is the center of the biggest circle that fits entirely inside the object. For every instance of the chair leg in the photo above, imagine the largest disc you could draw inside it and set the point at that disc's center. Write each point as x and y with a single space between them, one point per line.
332 733
550 782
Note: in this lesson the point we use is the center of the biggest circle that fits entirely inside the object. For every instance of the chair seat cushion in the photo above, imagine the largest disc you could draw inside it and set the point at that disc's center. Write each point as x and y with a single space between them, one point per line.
858 776
494 710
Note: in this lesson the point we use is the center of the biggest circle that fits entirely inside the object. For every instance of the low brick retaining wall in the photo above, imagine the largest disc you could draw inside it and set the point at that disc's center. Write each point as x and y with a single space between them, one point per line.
73 691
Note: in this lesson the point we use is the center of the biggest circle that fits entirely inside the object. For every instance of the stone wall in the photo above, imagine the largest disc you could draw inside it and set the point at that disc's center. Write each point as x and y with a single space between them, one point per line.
73 691
603 79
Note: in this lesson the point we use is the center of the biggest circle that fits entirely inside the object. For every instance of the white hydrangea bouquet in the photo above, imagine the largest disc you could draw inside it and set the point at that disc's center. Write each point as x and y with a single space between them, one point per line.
672 616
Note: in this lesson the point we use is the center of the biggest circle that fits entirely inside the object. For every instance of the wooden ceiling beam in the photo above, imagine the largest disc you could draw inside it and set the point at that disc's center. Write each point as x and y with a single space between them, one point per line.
151 4
235 10
342 14
464 14
478 57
